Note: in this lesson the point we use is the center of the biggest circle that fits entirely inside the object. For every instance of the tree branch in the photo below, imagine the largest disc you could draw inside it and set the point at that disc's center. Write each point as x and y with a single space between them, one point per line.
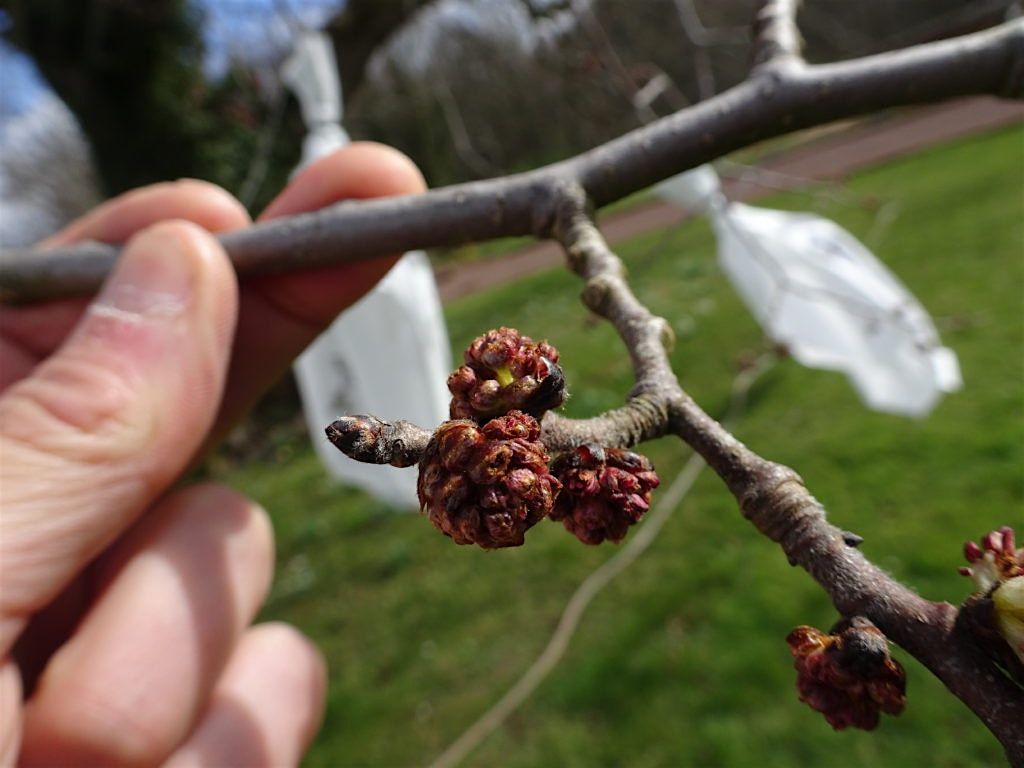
771 103
775 500
770 495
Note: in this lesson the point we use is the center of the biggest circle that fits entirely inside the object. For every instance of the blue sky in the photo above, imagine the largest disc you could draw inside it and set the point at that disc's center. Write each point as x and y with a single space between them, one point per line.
249 27
20 83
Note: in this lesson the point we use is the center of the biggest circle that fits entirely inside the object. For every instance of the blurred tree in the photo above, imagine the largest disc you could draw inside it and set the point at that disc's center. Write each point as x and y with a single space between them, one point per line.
572 72
360 28
132 74
420 74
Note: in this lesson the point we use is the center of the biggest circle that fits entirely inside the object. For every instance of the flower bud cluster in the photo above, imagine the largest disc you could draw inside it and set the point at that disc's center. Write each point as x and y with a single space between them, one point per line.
506 371
848 675
487 485
484 477
995 561
996 611
604 491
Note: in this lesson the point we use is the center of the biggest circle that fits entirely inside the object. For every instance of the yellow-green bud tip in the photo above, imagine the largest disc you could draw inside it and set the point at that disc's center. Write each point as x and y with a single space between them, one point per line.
503 375
1009 605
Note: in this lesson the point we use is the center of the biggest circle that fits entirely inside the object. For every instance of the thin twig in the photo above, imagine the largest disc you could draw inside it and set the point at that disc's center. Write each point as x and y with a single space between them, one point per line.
771 103
605 49
461 140
707 37
774 499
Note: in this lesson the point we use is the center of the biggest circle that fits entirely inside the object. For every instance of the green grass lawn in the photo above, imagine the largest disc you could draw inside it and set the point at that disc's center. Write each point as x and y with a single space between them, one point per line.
682 661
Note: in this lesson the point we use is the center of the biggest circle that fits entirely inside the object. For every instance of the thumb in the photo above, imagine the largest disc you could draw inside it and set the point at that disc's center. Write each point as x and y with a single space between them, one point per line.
101 428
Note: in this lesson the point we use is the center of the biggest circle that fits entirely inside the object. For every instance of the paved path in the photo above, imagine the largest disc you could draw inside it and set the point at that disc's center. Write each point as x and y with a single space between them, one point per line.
833 155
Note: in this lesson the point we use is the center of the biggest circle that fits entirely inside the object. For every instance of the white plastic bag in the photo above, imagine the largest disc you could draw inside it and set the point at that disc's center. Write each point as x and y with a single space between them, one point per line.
818 291
389 354
697 191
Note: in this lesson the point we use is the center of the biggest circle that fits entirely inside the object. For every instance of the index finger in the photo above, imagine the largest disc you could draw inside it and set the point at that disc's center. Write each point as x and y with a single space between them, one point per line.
279 316
116 220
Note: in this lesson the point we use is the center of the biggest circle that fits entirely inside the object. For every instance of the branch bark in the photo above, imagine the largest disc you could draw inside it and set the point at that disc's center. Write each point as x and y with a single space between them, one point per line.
773 102
774 499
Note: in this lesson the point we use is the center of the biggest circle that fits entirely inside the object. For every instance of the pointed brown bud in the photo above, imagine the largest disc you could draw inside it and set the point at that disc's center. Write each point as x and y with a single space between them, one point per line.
370 440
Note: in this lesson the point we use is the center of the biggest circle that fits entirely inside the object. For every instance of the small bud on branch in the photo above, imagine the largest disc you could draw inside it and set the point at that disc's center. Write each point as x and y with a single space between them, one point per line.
994 614
604 491
373 441
486 485
847 674
506 371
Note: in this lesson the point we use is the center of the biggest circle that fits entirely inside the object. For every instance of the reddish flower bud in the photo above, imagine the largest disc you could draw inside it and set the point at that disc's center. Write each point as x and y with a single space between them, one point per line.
848 675
995 612
486 485
604 491
995 561
506 371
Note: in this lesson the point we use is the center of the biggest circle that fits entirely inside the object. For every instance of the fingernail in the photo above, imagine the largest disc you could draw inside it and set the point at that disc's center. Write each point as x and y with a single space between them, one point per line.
152 280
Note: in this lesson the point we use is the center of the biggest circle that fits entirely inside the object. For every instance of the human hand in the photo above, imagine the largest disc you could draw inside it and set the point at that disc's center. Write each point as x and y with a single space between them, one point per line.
125 605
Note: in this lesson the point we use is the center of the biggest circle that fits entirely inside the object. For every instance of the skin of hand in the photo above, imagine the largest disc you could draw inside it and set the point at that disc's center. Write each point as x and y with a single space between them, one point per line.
126 602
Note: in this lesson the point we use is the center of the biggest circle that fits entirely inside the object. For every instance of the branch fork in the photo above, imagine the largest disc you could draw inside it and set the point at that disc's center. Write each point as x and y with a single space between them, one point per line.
770 495
784 93
781 96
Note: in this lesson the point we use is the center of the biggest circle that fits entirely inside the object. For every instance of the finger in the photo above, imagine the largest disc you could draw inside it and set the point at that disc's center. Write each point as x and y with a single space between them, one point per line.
15 362
102 427
10 713
50 628
177 593
280 316
33 332
267 707
116 220
361 170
